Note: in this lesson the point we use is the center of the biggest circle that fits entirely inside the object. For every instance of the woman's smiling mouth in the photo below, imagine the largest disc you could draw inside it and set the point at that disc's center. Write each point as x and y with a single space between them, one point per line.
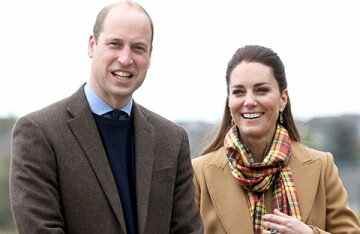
252 115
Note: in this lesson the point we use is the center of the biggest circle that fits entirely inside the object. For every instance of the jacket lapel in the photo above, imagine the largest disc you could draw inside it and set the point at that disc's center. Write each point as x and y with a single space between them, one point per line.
306 173
227 196
144 154
85 130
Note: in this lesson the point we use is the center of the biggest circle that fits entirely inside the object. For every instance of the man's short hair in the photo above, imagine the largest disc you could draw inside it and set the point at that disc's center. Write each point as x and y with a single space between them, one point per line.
98 26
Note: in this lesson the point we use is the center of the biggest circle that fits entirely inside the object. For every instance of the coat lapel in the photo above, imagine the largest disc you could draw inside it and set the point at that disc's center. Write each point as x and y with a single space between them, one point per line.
227 196
144 154
306 173
85 130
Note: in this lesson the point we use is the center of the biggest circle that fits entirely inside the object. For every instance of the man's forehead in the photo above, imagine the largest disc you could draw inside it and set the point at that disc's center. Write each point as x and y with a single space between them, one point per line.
126 9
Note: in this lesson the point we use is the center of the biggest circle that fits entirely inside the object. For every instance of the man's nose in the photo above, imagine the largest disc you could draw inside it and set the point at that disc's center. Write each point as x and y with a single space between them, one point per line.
125 56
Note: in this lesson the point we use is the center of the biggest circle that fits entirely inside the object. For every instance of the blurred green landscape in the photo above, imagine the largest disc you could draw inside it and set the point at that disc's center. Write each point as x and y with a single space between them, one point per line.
6 221
339 135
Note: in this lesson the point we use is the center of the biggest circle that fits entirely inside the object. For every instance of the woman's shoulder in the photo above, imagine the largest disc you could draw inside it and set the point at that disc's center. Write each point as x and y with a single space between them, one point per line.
304 153
216 157
206 158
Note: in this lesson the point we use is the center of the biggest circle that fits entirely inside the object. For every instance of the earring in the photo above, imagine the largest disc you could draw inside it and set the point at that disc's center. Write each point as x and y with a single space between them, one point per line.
281 119
232 121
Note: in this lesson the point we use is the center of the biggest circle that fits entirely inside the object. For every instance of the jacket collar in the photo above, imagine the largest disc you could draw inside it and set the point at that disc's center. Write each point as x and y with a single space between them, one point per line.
144 156
306 173
85 130
229 198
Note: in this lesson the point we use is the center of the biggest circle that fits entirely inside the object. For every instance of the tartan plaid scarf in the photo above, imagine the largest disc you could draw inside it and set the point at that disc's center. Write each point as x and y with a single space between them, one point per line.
256 178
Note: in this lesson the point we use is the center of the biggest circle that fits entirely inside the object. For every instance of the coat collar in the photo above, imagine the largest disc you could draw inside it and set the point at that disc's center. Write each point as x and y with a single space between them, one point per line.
306 173
144 156
85 130
229 198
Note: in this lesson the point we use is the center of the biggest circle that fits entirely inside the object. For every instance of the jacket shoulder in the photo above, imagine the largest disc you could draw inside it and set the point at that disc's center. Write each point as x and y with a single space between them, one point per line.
206 158
48 116
214 158
60 111
305 154
158 120
55 108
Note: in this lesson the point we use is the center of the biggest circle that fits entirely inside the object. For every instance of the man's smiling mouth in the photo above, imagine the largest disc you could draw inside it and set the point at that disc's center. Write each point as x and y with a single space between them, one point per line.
122 75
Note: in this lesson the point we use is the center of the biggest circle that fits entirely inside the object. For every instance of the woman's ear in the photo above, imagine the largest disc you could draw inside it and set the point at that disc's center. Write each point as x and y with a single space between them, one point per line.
283 99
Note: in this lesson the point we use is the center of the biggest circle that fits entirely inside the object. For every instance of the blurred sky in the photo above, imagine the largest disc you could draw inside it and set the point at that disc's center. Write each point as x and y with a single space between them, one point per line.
43 53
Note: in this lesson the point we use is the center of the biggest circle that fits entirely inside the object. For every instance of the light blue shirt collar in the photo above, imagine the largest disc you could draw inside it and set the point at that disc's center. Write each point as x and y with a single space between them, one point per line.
98 106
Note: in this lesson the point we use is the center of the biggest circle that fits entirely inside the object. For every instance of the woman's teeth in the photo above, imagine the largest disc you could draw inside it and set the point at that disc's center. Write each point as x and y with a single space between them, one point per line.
252 116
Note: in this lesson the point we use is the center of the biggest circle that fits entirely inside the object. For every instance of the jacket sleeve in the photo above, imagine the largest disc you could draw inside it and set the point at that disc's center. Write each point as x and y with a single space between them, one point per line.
196 184
339 217
185 216
35 200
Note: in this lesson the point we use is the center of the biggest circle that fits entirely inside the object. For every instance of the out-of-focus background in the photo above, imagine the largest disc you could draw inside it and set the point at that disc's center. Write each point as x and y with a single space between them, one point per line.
339 135
44 58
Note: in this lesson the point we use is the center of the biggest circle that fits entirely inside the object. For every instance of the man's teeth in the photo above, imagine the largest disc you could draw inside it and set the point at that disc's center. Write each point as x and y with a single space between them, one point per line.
252 116
122 75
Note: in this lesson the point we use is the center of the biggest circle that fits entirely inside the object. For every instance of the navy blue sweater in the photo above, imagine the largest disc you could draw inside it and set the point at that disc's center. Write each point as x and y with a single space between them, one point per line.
118 139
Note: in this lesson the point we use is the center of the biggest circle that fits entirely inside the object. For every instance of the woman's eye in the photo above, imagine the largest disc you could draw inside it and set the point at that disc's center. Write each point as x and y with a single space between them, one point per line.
237 92
263 90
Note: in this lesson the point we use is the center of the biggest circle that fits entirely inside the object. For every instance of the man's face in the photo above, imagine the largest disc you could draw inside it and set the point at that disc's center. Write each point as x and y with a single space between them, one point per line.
120 55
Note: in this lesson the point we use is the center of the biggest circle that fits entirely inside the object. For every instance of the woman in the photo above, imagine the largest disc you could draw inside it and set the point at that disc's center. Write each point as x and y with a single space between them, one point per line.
256 176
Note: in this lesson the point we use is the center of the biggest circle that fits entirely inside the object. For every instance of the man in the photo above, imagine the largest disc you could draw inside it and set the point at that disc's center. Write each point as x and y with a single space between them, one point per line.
74 169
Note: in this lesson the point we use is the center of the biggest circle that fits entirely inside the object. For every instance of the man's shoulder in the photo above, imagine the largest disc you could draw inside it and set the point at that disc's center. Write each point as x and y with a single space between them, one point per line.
157 119
51 114
58 111
50 108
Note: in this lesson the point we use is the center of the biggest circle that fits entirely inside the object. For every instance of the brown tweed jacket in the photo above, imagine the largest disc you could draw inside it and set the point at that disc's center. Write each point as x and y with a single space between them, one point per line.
322 197
61 181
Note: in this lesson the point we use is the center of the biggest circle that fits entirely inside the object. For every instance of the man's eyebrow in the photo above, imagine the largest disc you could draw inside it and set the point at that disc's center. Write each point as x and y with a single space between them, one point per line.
113 39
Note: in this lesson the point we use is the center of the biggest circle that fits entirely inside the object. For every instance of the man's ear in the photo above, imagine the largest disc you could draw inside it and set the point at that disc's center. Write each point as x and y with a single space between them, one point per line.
91 46
150 56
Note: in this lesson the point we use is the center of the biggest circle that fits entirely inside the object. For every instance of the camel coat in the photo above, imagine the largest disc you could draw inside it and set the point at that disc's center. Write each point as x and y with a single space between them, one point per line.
322 197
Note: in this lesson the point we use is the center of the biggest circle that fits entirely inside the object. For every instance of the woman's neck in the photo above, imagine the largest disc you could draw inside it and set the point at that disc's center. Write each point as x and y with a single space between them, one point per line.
257 147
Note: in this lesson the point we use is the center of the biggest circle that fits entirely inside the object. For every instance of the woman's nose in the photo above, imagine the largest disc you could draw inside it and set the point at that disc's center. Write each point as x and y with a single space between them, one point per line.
250 100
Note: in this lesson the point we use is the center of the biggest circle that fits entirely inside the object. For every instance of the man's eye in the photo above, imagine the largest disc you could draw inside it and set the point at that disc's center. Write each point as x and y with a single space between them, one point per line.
114 43
139 48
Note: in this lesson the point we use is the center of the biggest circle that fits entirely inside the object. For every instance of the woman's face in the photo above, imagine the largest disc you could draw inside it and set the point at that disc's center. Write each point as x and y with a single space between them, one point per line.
255 101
